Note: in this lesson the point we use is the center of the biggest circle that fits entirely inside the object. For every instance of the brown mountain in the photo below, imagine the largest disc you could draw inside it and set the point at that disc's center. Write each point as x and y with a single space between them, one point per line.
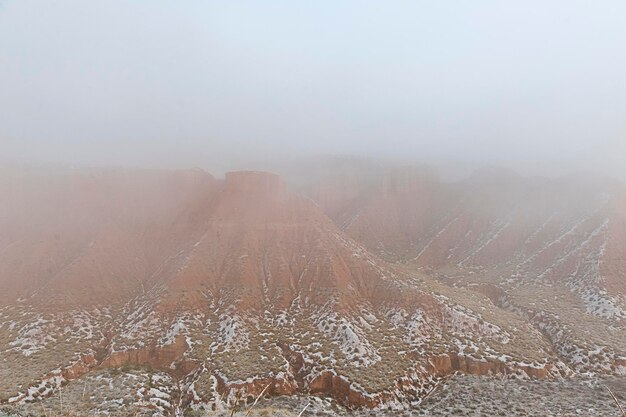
550 249
91 236
219 289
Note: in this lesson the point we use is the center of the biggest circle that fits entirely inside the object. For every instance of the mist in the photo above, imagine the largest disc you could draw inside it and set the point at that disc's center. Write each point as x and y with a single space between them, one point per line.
537 86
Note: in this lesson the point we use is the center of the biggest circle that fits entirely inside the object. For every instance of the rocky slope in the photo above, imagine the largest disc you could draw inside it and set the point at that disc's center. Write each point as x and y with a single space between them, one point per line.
550 250
181 292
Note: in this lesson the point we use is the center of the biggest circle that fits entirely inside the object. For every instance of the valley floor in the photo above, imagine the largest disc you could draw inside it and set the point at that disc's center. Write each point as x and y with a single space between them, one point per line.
461 396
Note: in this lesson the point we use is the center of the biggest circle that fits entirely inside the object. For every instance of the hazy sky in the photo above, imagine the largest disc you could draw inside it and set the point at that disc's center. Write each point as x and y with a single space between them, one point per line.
203 83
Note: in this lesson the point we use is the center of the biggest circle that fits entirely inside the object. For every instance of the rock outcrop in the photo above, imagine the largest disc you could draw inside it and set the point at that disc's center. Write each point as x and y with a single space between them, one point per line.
236 287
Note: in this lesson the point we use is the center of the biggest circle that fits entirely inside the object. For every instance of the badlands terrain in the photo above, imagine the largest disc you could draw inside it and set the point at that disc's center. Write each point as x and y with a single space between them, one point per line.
355 291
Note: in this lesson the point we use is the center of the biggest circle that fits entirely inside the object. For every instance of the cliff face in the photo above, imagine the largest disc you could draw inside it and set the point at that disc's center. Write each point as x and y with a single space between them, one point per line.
85 236
552 249
385 213
567 231
250 183
264 248
233 286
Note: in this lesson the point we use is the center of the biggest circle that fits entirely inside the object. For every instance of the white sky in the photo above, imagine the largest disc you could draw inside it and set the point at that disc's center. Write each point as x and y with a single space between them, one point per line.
206 83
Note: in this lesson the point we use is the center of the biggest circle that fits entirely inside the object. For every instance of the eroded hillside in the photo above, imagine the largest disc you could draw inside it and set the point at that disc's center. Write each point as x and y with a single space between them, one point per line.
162 292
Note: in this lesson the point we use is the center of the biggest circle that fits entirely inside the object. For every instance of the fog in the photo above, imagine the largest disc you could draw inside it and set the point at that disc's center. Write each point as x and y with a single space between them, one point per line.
539 86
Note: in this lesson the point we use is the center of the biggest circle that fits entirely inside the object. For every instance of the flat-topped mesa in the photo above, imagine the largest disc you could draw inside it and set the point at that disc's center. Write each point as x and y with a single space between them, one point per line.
254 182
